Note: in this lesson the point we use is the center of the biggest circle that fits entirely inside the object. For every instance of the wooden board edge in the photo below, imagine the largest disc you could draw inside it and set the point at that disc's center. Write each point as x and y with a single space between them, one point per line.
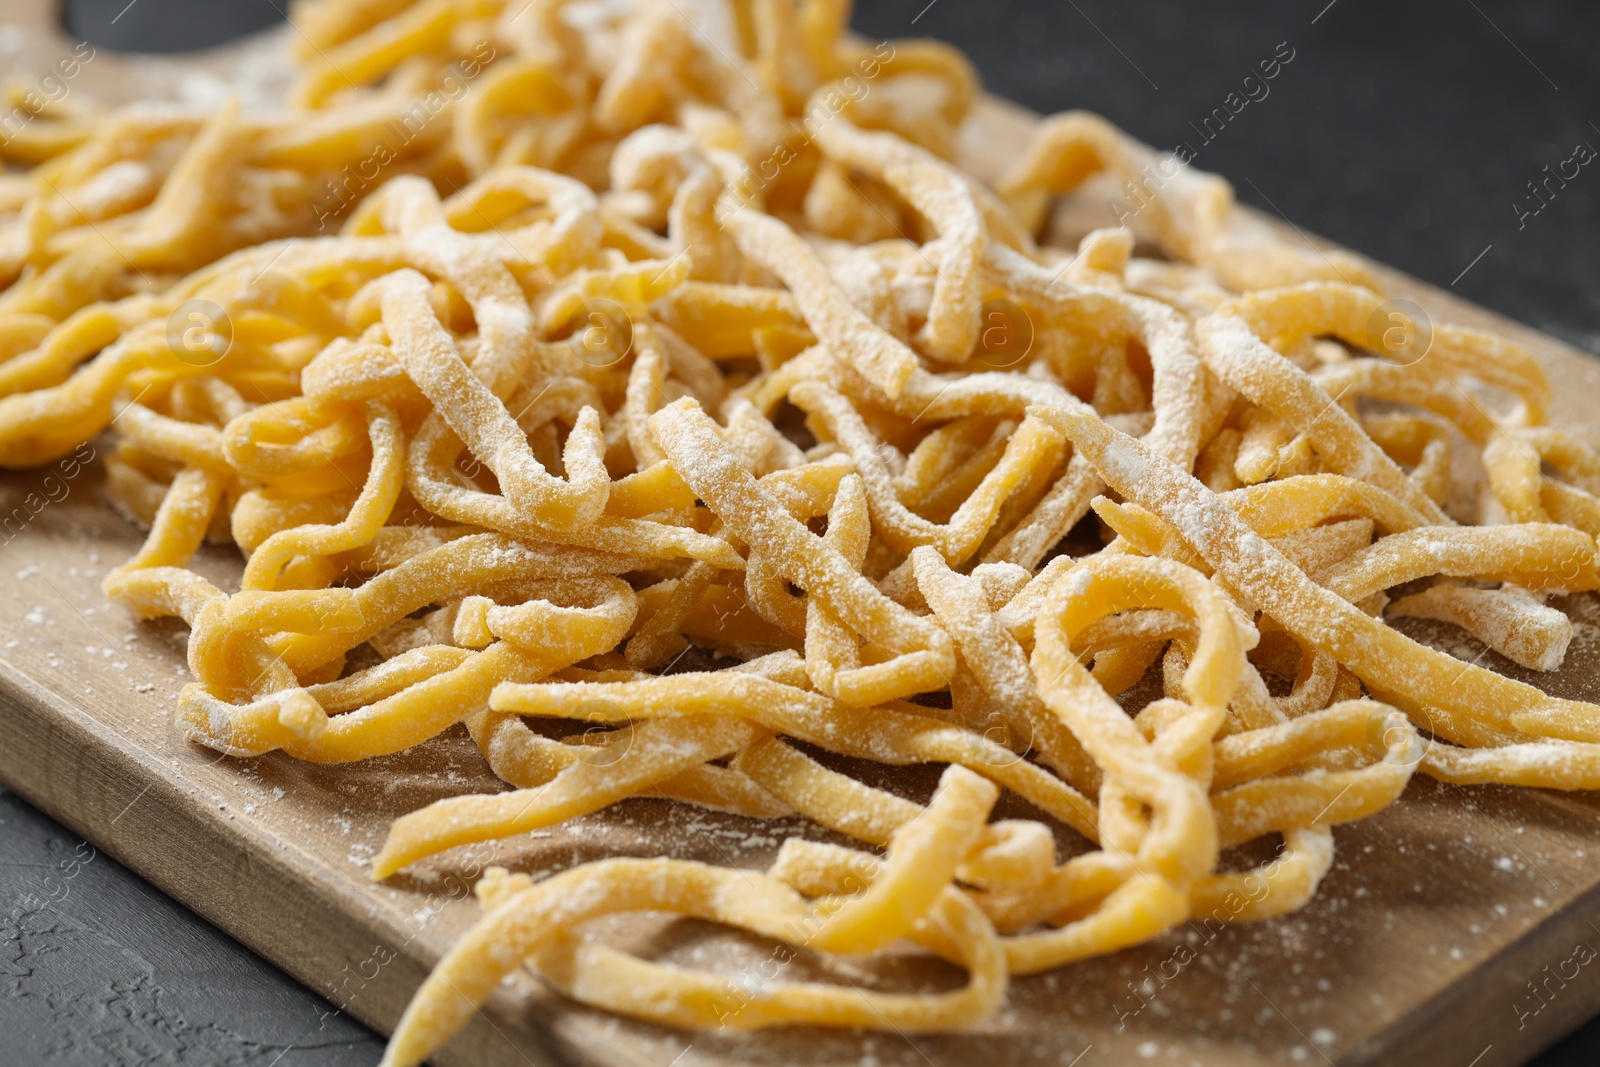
83 776
1472 1022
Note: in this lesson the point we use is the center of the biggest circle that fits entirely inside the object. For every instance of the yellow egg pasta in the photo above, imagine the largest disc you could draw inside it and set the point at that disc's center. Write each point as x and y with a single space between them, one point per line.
532 348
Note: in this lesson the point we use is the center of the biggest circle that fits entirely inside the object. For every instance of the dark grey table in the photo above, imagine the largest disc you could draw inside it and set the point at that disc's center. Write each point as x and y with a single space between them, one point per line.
1410 131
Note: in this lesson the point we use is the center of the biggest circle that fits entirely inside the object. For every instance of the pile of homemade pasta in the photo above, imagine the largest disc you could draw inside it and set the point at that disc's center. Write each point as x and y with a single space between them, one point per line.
541 343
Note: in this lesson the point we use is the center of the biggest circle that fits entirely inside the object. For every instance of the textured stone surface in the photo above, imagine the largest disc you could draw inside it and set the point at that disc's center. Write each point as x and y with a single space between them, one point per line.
1408 134
99 968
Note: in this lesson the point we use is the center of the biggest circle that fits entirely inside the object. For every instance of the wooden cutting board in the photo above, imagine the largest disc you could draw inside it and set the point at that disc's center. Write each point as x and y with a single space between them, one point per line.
1459 927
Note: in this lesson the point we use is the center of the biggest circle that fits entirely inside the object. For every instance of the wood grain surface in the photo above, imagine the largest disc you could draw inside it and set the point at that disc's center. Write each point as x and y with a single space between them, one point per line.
1459 927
